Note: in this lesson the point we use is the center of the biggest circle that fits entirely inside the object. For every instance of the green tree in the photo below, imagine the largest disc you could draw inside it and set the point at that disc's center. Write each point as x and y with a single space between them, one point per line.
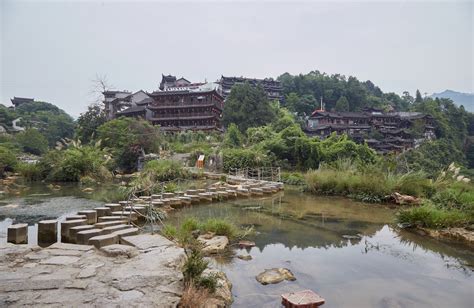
89 121
32 141
247 106
8 160
342 104
128 138
418 97
233 137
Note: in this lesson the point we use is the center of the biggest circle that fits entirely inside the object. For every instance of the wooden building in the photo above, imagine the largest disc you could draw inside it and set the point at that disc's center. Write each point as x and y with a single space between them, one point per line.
271 87
395 131
199 109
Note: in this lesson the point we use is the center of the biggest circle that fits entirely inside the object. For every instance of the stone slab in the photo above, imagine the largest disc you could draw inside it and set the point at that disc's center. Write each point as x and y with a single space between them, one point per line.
101 225
17 234
90 214
108 230
83 237
74 230
147 241
103 240
60 260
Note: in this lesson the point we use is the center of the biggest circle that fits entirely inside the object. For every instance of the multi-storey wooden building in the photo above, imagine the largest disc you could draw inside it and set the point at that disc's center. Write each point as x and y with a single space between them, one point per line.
180 110
395 131
272 87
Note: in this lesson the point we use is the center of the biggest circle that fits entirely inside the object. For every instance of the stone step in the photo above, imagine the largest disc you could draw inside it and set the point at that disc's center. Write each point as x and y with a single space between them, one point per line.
243 192
74 230
179 193
126 215
145 198
126 232
231 193
82 237
185 200
102 211
108 230
47 231
101 225
91 215
191 192
200 191
17 233
110 218
75 217
168 195
256 191
139 209
113 206
267 189
155 196
194 198
103 240
205 196
156 203
124 203
68 224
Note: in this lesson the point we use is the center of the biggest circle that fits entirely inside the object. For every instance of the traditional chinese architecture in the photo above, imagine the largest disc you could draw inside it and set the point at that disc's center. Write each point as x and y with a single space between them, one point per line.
125 103
384 132
272 87
17 101
181 109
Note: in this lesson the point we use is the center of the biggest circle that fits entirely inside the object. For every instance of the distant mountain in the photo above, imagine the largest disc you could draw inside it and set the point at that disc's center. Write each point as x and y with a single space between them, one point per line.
465 99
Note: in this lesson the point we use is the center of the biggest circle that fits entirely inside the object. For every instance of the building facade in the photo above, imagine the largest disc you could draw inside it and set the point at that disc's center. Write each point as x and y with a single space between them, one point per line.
182 110
271 87
384 132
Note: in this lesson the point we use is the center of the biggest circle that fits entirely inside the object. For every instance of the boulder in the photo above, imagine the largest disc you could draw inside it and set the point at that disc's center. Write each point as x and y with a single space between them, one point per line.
215 244
245 257
246 244
222 297
275 275
405 199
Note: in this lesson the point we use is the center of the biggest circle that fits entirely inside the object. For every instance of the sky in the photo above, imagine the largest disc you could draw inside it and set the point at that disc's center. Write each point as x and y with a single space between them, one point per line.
53 50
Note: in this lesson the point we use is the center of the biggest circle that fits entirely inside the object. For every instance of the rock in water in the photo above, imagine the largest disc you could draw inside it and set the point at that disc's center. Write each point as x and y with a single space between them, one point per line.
245 257
275 275
246 244
215 244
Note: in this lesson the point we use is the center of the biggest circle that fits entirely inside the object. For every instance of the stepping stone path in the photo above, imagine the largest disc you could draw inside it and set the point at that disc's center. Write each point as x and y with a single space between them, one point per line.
109 224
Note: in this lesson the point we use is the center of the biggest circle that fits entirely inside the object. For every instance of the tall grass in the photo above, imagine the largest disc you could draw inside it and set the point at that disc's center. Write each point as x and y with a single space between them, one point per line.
431 216
345 178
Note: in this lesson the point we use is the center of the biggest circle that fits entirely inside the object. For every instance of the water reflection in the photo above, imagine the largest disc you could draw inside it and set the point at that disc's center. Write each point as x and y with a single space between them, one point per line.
381 268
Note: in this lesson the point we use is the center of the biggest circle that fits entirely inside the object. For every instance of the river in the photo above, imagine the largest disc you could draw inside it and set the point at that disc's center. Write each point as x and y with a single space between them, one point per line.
379 266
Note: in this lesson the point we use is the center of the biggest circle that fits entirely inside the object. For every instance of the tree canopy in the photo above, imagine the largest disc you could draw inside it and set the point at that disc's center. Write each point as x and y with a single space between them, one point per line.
247 106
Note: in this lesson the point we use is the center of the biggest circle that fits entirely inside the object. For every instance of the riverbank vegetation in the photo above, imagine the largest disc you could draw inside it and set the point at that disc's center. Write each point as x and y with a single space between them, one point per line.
258 133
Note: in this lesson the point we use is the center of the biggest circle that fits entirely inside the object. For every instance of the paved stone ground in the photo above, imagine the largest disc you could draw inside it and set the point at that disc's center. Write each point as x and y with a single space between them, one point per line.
67 275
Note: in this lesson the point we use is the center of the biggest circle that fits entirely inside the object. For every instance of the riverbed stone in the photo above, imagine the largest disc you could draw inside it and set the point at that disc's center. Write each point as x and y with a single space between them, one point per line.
213 245
275 275
222 297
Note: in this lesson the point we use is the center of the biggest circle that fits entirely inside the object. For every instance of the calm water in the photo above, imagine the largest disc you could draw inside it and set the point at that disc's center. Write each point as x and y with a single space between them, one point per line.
385 267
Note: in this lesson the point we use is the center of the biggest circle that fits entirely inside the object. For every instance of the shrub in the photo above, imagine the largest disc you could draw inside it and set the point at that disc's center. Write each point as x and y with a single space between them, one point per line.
8 160
32 141
292 178
30 172
244 158
194 266
219 227
165 170
431 216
